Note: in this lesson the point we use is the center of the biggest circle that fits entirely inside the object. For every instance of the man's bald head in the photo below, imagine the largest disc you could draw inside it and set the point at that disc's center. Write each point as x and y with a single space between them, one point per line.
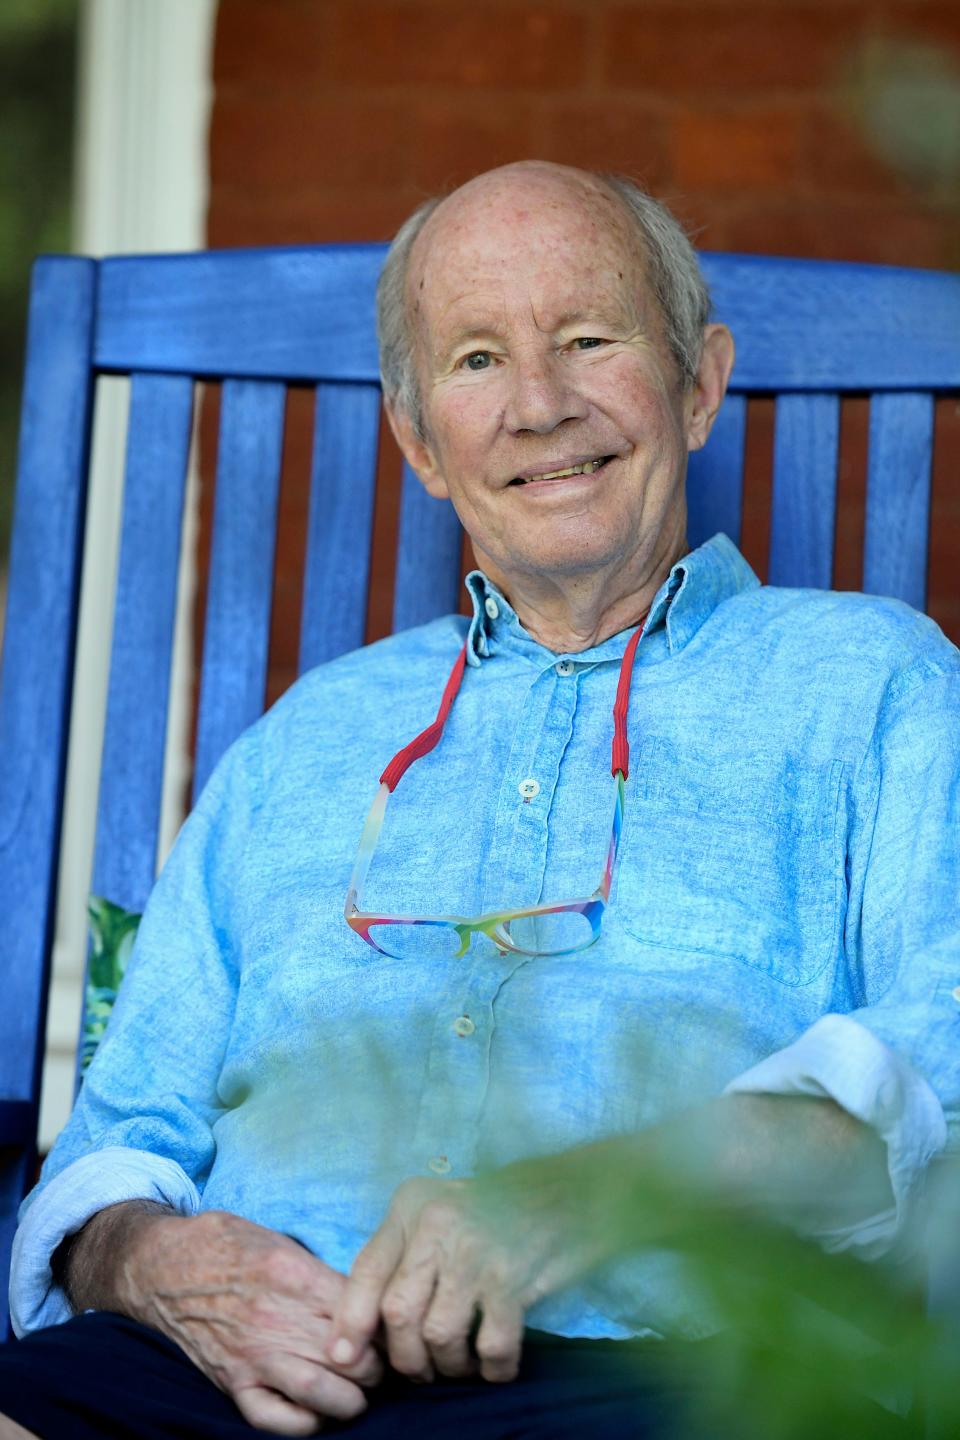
616 207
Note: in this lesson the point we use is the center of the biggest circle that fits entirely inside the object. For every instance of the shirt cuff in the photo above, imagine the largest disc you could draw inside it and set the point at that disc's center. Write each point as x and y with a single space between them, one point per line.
841 1060
65 1204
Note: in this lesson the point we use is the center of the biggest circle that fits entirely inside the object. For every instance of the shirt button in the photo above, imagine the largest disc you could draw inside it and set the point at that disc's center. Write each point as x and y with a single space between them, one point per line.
491 607
956 994
439 1164
463 1025
565 667
529 788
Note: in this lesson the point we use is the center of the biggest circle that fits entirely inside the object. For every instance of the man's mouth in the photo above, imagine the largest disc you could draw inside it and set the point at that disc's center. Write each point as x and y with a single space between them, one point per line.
587 467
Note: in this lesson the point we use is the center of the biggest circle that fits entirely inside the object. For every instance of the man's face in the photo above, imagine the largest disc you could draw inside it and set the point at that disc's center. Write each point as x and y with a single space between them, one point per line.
540 350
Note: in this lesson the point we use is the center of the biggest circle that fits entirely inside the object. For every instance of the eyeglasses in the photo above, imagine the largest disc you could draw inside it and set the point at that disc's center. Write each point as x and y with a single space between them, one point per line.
562 929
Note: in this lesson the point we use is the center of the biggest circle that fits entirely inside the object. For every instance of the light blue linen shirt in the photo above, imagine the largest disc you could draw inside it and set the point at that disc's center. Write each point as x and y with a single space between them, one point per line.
783 919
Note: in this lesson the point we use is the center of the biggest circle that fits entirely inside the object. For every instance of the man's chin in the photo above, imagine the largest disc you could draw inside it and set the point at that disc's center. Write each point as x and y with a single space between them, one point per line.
560 558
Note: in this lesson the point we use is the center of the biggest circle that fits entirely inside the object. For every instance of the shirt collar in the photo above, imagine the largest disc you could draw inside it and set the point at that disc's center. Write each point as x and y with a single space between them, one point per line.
697 584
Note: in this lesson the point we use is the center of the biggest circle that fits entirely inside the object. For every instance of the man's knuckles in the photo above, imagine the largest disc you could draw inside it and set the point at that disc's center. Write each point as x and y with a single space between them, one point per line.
498 1355
400 1310
417 1194
441 1215
287 1270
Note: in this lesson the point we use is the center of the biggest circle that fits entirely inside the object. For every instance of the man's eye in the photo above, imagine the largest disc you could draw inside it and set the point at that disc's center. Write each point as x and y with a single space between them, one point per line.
477 360
587 342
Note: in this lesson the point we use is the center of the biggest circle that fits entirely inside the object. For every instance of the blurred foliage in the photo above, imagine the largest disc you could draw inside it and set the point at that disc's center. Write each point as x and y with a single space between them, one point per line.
38 41
807 1345
904 96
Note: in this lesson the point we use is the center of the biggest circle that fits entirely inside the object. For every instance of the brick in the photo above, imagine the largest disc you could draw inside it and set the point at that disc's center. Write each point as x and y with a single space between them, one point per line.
280 41
383 545
751 148
238 217
287 142
680 46
765 227
608 133
945 517
757 469
851 493
450 143
490 46
874 233
838 155
936 24
881 235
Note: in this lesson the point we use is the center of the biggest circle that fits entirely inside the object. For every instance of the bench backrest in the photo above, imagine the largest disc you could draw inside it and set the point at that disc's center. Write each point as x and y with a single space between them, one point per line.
260 321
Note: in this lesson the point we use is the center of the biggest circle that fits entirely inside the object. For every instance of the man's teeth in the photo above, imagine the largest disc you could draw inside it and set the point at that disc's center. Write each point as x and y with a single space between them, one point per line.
586 469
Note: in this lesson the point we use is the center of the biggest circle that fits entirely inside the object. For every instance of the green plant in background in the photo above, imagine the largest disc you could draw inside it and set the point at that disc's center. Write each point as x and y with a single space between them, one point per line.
37 98
904 97
112 933
806 1345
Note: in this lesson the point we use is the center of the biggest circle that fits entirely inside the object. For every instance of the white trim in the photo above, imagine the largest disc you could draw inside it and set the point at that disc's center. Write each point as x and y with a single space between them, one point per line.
141 177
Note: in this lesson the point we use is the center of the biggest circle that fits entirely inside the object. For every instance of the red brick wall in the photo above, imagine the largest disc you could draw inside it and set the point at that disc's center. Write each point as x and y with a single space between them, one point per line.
333 118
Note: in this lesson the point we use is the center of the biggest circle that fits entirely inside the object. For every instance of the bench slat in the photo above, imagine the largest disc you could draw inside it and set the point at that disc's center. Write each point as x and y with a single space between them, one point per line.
715 476
131 785
428 556
898 497
802 521
237 634
343 476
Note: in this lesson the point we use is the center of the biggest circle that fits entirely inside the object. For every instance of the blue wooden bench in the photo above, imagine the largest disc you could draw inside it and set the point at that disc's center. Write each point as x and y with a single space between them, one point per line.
260 321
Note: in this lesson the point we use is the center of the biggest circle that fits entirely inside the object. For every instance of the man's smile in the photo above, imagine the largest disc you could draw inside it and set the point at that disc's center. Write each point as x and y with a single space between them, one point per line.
553 471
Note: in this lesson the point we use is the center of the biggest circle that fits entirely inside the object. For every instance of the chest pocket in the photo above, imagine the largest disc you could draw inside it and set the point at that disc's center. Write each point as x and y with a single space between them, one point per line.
738 855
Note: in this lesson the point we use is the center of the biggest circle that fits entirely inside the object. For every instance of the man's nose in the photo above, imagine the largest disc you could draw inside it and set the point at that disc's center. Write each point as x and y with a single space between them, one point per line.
542 395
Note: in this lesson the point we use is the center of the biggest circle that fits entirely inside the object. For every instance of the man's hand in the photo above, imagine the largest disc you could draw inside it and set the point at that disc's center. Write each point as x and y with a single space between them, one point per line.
453 1255
450 1251
251 1308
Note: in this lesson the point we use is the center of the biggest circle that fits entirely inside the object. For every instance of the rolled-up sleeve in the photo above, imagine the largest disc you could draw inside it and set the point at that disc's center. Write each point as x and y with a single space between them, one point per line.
105 1177
142 1126
894 1060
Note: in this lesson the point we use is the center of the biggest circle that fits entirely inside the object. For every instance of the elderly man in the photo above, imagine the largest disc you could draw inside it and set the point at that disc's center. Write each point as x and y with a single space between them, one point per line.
757 994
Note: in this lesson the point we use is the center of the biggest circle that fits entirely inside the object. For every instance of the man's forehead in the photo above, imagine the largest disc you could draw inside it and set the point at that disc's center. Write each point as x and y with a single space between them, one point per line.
569 239
514 203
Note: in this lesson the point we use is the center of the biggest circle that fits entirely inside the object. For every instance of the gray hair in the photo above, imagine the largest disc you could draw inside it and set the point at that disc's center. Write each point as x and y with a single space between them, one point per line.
672 266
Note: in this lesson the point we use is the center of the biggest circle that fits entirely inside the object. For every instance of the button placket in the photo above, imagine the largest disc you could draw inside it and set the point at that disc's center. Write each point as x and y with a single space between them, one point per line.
519 849
457 1072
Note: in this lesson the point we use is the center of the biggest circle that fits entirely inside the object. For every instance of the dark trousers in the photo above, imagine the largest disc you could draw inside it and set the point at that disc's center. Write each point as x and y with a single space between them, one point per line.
106 1375
103 1375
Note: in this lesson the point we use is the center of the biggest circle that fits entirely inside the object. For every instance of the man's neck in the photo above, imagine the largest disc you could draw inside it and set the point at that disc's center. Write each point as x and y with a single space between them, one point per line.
569 614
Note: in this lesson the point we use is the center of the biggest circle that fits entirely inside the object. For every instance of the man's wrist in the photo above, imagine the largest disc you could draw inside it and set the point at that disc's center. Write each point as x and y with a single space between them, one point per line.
103 1266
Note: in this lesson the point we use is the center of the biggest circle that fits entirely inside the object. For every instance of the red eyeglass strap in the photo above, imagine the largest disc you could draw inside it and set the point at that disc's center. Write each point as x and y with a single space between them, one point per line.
423 743
620 756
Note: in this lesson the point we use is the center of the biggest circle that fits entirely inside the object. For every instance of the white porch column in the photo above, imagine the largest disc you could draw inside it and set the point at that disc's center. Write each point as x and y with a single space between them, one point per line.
144 96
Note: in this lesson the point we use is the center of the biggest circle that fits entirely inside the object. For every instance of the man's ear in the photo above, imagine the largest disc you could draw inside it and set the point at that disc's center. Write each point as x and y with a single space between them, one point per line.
706 396
417 453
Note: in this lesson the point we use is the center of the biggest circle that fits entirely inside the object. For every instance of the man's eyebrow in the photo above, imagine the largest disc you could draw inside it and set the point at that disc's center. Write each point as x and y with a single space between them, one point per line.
448 344
607 315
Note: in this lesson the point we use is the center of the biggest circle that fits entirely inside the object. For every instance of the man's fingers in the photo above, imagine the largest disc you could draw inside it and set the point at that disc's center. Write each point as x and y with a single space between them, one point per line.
357 1315
500 1338
266 1410
405 1303
446 1327
367 1370
314 1388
